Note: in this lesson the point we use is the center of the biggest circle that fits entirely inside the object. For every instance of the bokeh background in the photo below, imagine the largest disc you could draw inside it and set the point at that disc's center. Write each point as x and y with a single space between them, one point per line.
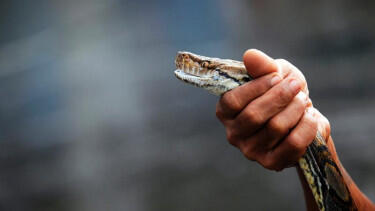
92 117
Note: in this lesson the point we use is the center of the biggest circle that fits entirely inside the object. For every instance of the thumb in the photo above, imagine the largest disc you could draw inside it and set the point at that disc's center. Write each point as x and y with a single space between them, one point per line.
258 63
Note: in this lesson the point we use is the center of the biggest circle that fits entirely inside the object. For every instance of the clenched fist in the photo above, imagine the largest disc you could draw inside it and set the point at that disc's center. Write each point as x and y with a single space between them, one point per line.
271 119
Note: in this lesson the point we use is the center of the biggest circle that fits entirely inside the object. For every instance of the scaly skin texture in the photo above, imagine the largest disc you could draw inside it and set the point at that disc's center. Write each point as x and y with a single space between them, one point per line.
320 170
215 75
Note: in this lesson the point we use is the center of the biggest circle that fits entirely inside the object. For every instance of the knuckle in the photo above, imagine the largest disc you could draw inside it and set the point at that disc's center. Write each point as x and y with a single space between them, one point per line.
251 115
271 164
231 102
296 143
248 152
276 127
232 137
282 96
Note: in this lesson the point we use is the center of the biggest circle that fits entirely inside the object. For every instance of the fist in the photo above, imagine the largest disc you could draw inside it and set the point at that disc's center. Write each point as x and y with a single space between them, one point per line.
271 118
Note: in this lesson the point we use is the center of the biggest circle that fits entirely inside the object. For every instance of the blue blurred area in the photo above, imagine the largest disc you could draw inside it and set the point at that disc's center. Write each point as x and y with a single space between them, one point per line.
92 118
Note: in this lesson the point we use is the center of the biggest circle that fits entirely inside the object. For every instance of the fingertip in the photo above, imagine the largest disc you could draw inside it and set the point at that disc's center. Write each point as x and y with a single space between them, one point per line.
303 97
253 58
295 85
251 51
258 63
276 78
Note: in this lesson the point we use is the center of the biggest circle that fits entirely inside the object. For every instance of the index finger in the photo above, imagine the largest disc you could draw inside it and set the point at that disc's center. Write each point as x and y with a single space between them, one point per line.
234 101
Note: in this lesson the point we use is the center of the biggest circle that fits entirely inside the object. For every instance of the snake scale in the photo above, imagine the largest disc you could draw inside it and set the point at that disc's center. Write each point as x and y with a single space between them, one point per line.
320 170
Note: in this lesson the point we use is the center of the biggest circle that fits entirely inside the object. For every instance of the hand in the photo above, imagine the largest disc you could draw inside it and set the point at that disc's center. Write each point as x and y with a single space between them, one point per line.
271 119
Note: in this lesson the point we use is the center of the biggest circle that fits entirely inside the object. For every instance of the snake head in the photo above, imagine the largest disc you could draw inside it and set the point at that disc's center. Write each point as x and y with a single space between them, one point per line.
213 74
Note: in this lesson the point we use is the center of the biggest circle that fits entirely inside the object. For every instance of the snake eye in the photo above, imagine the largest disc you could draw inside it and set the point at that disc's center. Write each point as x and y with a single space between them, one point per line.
204 64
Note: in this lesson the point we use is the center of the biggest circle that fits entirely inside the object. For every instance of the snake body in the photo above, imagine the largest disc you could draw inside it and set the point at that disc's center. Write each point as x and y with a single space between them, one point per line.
319 168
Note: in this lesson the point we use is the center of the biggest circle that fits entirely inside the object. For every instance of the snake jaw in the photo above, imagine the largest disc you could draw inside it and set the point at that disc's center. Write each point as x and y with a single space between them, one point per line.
215 84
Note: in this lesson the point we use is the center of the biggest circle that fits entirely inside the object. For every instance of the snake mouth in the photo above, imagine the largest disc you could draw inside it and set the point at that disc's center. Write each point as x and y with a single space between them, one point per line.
194 70
196 80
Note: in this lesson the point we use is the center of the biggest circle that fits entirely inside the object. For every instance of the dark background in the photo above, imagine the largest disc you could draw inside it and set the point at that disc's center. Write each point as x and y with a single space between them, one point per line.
92 117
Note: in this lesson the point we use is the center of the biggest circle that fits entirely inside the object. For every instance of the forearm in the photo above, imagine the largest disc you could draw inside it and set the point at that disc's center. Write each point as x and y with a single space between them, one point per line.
360 200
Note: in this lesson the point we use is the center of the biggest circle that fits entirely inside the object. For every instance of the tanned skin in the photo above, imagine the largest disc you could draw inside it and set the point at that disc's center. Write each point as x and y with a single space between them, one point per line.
272 120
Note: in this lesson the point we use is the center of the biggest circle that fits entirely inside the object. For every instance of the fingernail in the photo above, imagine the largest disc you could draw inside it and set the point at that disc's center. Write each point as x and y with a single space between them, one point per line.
294 85
275 79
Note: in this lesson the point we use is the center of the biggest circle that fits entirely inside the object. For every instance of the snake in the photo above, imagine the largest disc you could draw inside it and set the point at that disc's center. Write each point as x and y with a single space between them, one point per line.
320 170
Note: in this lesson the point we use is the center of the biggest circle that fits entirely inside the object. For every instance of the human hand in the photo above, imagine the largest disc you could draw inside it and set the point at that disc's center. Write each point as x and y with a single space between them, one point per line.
271 119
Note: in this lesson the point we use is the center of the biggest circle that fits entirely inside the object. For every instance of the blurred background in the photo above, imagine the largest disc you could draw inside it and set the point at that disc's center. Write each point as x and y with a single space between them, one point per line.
92 117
